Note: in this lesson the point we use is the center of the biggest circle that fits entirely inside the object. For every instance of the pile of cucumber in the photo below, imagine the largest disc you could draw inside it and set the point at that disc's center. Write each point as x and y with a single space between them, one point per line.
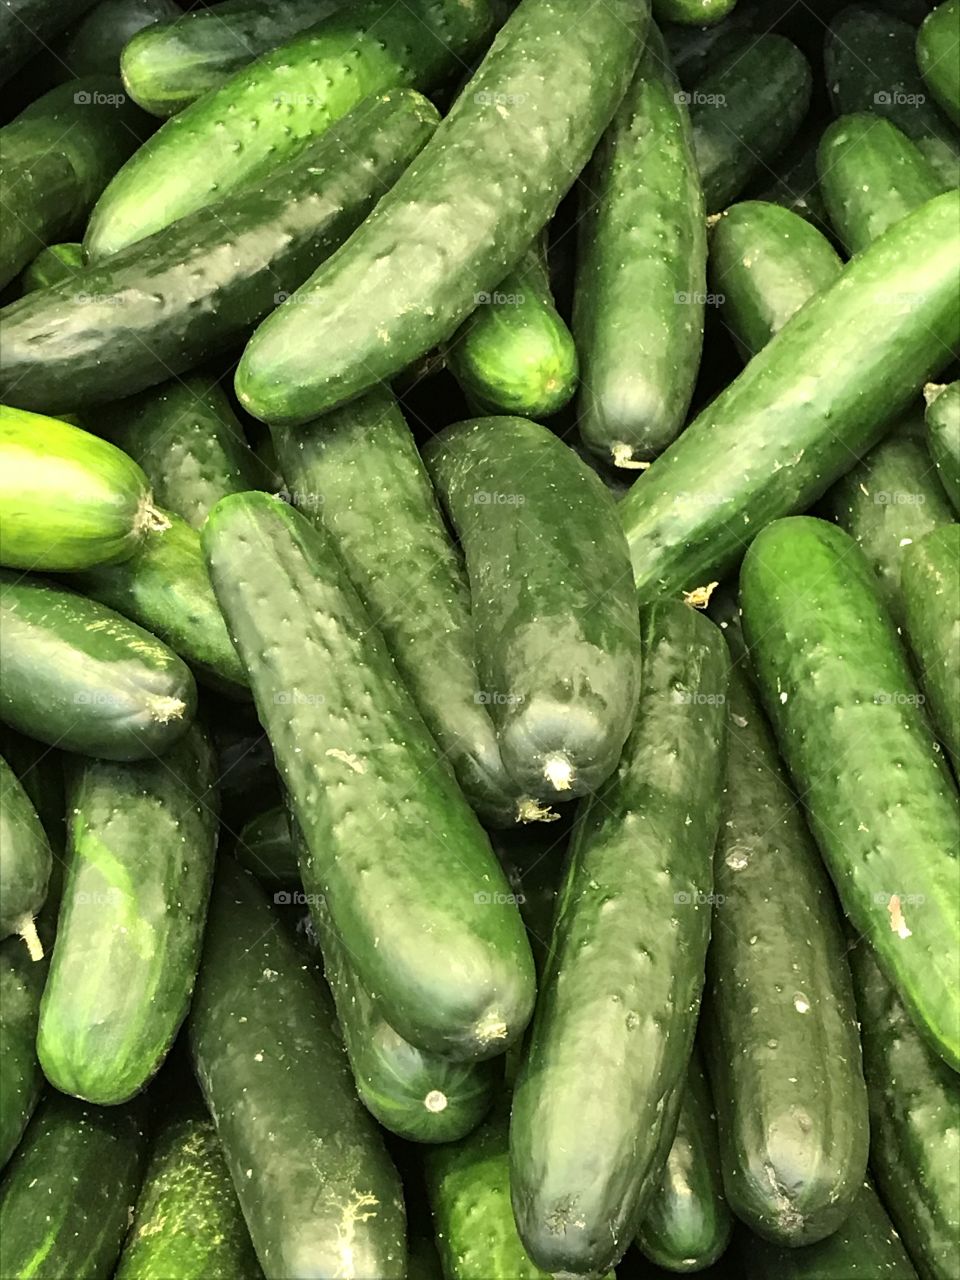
479 640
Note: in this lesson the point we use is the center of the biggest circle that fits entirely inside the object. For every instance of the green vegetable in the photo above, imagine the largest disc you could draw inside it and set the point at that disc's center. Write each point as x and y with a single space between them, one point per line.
942 420
938 56
264 847
94 45
931 598
21 1079
692 12
51 265
25 25
25 860
797 185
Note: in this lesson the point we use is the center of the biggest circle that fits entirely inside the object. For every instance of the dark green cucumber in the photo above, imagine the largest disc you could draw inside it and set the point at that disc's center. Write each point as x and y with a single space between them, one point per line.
67 1195
692 12
187 1222
515 354
26 25
80 677
942 420
938 56
747 107
51 265
621 991
21 1078
931 598
318 1191
765 262
357 473
558 646
836 684
688 1225
641 271
40 770
94 45
265 847
492 176
693 48
25 860
533 858
780 1029
914 1124
200 286
379 808
871 176
816 397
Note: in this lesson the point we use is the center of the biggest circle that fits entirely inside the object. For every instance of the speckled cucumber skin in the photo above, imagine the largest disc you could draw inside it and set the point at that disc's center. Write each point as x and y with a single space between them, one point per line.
766 262
818 395
931 597
835 682
780 1029
942 420
357 472
641 271
26 856
318 1191
200 286
264 847
558 645
871 176
491 177
68 1193
80 677
621 989
938 56
24 24
380 811
52 265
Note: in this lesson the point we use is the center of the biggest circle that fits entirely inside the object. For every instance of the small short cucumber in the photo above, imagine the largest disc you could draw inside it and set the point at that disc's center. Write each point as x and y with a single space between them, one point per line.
931 597
80 677
51 265
25 860
942 420
938 56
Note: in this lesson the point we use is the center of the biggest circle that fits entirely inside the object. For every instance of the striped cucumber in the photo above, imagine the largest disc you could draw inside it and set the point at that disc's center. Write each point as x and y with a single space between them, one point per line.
25 860
938 56
265 847
51 265
942 420
931 598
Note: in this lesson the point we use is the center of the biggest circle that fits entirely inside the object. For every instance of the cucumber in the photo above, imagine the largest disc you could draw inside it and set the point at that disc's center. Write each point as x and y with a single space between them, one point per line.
357 472
378 808
187 1222
492 176
938 56
835 682
515 354
693 48
67 1194
931 598
621 991
914 1124
871 176
318 1191
765 262
797 185
641 238
533 859
264 847
267 113
688 1225
26 25
94 45
200 286
692 12
942 420
559 649
21 1079
80 677
780 1030
816 397
25 861
745 109
40 770
51 265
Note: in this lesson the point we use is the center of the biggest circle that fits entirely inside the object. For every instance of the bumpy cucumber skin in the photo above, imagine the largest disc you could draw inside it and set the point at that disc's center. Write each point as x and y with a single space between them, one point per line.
357 472
836 685
80 677
688 1225
942 420
264 847
692 12
25 25
378 807
200 286
765 262
781 432
781 1039
641 271
307 1161
53 264
745 109
621 991
871 176
931 596
25 865
511 145
558 647
68 1193
938 56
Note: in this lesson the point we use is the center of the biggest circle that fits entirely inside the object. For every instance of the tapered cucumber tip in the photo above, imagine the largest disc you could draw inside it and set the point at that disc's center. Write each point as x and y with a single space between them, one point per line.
559 772
27 930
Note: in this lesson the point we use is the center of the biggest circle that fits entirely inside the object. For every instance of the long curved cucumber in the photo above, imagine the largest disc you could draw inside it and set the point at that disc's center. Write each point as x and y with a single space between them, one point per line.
641 271
80 677
318 1191
817 396
200 286
835 682
25 860
558 646
492 176
378 808
621 991
51 265
265 847
942 421
931 598
26 25
938 56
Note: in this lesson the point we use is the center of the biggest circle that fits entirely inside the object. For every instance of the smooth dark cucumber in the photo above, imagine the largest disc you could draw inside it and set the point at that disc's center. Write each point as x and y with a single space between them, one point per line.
53 264
26 25
67 1195
816 397
836 684
25 859
931 598
264 846
641 271
200 286
765 262
942 420
379 809
557 634
938 56
780 1030
94 45
621 990
492 176
318 1191
21 1077
80 677
688 1225
357 473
